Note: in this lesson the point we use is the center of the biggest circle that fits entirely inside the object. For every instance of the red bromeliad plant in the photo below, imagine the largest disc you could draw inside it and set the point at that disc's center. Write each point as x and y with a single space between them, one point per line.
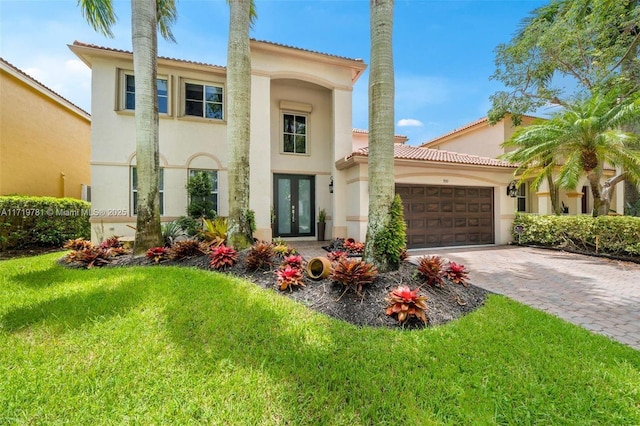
354 273
223 257
334 256
456 273
295 261
289 277
431 270
157 253
187 248
353 246
406 303
260 256
112 242
78 244
89 257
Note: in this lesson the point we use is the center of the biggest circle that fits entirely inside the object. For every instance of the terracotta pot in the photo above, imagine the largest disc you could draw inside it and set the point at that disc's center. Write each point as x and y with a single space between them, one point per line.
319 268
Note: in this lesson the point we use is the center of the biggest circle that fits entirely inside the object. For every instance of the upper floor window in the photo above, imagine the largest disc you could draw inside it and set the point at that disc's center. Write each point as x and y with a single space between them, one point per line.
134 190
203 100
294 135
130 94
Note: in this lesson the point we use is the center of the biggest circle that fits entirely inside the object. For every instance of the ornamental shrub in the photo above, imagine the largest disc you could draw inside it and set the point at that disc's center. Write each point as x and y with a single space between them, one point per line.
390 241
42 221
603 234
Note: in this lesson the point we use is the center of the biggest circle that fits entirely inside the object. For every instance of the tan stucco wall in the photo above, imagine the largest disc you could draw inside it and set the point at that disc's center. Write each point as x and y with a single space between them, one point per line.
44 146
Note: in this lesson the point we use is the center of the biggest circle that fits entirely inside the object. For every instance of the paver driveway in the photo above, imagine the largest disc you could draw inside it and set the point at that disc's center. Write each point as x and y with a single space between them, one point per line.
598 294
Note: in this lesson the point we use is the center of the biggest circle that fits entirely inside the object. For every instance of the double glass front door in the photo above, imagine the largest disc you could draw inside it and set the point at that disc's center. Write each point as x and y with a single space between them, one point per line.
294 205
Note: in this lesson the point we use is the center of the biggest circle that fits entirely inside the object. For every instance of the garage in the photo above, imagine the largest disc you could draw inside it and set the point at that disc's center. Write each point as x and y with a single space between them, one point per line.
445 216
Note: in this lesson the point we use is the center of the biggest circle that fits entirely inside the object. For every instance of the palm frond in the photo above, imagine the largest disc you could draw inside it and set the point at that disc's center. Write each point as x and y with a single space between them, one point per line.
99 14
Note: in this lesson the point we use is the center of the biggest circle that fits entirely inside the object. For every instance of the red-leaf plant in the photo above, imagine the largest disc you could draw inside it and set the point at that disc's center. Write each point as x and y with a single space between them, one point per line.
289 277
354 273
260 256
353 246
430 268
89 257
456 273
406 303
157 253
78 244
223 257
187 248
334 256
294 260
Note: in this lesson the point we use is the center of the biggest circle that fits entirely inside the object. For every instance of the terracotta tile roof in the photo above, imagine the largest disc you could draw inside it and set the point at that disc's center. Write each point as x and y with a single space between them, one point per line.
307 50
407 152
47 89
111 49
482 120
366 132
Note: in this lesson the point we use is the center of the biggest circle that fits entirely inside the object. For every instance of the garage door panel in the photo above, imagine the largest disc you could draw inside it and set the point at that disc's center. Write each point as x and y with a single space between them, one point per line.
438 216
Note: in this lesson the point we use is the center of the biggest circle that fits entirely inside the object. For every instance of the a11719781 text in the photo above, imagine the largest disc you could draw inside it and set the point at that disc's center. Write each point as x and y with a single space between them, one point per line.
25 212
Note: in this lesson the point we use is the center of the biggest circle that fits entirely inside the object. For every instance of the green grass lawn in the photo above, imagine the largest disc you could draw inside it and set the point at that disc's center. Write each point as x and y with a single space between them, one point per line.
184 346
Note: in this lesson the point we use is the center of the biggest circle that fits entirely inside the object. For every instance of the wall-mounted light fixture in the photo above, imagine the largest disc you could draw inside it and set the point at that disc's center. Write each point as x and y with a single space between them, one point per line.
512 189
331 185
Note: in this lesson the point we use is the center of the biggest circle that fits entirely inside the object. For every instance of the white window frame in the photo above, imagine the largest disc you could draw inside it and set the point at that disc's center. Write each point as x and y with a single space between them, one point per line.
283 133
122 92
214 191
134 191
204 84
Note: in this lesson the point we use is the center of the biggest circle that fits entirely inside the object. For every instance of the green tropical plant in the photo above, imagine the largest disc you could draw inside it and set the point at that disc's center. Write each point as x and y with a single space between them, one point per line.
583 138
171 231
391 240
214 231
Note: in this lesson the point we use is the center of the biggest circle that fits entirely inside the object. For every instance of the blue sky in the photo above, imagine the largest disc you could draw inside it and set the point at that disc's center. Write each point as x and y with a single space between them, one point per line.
443 50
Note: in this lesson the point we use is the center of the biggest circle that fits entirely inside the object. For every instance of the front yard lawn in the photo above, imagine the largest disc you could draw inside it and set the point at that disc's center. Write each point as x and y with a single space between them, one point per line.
177 345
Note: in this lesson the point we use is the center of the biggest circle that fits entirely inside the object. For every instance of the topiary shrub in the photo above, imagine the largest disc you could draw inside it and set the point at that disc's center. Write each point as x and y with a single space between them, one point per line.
42 221
391 241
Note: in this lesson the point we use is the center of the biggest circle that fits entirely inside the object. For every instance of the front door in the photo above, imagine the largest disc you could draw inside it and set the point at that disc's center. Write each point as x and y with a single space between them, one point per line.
294 205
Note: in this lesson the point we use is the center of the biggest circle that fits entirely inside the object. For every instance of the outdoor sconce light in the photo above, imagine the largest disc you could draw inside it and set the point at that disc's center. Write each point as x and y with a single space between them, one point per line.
331 185
512 189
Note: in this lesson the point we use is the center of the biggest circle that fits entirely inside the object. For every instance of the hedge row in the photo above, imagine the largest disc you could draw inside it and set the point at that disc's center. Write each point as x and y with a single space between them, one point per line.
42 221
604 234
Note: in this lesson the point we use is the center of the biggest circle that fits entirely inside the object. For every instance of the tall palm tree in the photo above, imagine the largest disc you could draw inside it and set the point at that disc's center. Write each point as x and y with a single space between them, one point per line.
242 15
146 18
582 139
381 129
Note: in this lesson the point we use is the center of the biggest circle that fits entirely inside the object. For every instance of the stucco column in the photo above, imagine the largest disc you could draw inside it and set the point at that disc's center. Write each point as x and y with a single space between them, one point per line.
575 202
543 195
260 155
342 146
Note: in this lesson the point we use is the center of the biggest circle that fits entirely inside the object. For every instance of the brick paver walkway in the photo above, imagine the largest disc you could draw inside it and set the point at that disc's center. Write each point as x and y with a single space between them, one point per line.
598 294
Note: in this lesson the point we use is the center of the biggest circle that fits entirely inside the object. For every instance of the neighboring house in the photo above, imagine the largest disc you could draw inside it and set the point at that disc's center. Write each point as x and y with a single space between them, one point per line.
481 138
45 140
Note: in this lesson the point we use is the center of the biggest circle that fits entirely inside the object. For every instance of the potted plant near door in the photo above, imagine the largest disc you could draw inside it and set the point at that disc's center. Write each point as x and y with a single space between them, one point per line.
322 217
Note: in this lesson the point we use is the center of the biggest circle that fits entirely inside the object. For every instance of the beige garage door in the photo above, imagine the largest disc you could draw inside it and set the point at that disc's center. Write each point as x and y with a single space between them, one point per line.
441 216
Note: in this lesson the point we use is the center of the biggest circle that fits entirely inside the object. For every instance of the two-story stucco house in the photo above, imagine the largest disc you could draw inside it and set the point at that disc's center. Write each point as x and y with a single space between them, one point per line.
300 125
305 155
44 139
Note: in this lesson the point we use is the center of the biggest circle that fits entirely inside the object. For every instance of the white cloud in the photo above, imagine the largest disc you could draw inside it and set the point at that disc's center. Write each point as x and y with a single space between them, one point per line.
409 122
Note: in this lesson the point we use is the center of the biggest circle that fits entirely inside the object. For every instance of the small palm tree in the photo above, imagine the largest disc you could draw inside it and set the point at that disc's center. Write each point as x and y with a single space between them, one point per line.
581 139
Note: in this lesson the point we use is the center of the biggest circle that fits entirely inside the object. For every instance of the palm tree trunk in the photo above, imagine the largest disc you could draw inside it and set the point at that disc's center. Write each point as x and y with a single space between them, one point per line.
596 191
145 46
554 194
238 122
381 128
